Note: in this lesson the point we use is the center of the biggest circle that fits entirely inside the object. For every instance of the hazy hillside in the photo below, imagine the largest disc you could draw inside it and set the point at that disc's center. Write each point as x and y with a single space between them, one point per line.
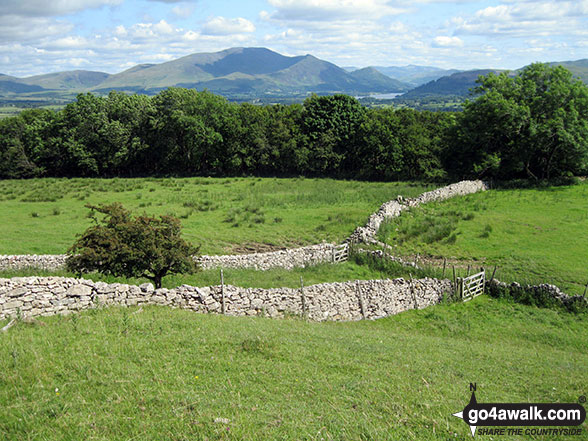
415 75
246 70
372 76
579 68
257 73
69 80
456 84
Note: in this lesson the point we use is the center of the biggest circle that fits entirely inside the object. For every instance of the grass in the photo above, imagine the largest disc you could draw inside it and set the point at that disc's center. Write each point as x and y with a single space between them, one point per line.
165 374
532 235
223 215
358 268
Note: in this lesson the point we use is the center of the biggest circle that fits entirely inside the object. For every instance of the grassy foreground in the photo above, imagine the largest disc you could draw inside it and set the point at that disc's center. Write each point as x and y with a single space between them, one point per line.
532 235
163 374
43 216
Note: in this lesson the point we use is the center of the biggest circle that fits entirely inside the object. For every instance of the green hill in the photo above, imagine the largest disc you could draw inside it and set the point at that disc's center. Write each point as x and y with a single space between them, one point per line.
69 80
372 76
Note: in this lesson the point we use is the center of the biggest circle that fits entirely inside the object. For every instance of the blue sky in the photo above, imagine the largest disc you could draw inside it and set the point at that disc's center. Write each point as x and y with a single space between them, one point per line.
41 36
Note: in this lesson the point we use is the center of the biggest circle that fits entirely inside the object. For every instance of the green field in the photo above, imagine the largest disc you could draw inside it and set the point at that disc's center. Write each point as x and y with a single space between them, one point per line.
250 278
532 235
164 374
235 215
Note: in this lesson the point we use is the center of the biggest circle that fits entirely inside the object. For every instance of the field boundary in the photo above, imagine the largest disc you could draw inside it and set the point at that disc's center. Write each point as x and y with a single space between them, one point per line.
289 258
28 297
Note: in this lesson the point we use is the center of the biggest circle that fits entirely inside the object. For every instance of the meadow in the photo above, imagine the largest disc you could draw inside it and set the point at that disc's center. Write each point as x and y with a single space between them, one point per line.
222 215
161 374
534 236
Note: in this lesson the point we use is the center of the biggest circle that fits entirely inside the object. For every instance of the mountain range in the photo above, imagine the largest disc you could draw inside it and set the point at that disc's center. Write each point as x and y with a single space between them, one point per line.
250 73
232 72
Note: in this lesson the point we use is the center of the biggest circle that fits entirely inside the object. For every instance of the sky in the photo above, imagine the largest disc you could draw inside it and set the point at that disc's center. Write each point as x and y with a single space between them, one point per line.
43 36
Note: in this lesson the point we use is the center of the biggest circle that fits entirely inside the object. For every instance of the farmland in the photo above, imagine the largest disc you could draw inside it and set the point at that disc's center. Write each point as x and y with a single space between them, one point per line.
533 235
159 373
236 215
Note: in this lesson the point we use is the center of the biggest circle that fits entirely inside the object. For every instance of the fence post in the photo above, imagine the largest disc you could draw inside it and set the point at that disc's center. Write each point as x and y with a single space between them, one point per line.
222 292
361 304
444 264
333 254
302 296
416 306
454 281
493 272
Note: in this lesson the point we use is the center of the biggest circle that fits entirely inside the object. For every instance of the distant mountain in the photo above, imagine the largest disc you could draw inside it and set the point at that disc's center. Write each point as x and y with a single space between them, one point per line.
253 73
415 75
578 68
372 76
457 84
246 71
69 80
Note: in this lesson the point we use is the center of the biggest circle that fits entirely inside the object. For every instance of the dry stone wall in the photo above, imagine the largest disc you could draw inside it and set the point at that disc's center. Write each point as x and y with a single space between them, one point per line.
370 299
291 258
391 209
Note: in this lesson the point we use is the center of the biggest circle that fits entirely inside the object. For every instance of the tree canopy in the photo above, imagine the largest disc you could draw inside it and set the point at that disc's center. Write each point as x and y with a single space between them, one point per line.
121 244
533 125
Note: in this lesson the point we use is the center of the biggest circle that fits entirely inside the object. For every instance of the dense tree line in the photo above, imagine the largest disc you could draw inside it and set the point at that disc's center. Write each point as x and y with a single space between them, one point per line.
534 125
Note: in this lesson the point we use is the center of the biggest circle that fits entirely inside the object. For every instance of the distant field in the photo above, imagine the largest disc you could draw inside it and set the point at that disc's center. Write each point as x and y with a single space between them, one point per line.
174 374
534 235
43 216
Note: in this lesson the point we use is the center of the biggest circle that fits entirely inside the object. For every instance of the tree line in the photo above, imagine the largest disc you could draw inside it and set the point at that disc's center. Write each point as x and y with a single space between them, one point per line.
532 125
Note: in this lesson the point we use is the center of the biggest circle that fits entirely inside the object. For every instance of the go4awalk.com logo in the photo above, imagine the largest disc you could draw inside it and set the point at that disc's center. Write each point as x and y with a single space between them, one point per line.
492 418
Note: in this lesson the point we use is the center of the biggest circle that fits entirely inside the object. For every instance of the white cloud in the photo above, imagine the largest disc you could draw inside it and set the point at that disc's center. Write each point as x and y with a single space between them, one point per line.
227 26
44 8
525 18
183 11
444 41
329 10
23 29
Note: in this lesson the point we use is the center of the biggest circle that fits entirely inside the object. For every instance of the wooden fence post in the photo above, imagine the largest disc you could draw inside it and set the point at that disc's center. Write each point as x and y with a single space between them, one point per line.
222 292
361 303
302 296
585 289
444 264
493 272
454 281
416 306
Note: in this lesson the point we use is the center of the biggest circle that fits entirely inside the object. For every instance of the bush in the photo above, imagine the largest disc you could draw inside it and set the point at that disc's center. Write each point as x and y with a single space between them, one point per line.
123 245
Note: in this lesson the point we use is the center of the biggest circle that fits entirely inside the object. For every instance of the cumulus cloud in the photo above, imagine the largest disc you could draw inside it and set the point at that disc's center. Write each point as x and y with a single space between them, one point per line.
24 29
44 8
328 10
523 18
227 26
444 41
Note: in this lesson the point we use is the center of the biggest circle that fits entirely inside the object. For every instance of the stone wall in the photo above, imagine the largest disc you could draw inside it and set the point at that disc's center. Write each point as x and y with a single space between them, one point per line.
354 300
288 259
391 209
291 258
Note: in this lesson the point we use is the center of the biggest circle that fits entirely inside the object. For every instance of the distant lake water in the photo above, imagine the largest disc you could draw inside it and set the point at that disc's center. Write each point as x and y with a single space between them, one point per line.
380 96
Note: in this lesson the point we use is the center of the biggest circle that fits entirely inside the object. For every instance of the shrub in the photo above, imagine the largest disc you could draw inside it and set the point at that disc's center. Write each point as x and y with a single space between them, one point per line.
123 245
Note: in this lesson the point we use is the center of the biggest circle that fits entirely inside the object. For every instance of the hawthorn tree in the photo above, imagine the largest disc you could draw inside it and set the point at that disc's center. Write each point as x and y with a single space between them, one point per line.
533 125
121 244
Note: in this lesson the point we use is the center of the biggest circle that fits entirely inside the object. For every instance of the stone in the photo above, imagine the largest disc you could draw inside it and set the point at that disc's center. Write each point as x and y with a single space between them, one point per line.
79 291
147 287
